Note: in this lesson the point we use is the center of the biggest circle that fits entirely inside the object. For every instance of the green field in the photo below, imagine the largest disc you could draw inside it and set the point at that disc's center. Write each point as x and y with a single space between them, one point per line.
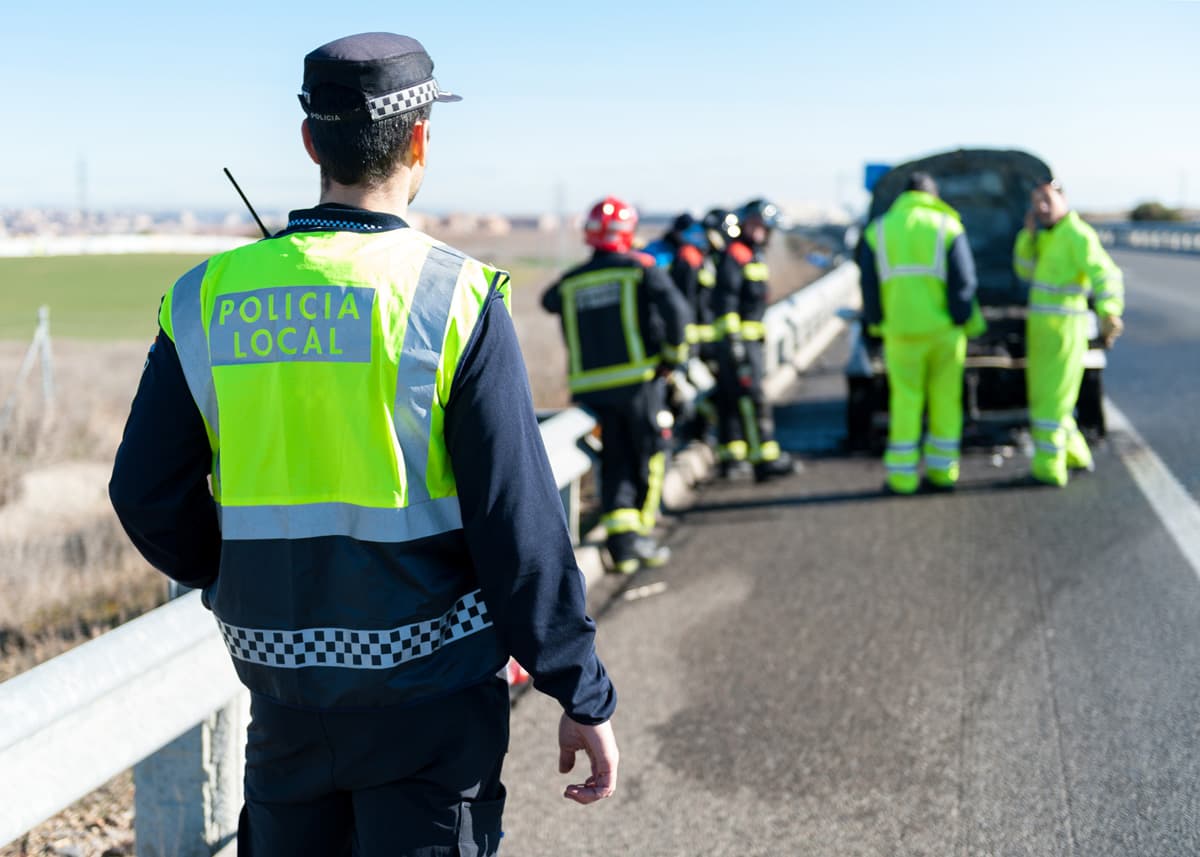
90 297
113 297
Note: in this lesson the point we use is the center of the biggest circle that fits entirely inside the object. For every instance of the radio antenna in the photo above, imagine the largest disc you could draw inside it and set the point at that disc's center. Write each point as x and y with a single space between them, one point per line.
253 213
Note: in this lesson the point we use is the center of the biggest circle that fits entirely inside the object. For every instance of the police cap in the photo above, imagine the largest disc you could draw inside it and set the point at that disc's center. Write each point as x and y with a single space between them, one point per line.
369 76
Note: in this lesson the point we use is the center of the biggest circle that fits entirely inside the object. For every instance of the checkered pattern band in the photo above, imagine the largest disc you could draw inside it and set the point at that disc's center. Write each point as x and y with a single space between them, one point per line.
402 101
356 649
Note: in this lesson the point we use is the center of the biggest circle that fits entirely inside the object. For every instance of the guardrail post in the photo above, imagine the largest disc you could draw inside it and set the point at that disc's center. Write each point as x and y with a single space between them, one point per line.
187 796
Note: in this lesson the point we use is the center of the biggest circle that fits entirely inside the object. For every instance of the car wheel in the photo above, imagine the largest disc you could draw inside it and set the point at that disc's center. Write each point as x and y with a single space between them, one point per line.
860 404
1089 409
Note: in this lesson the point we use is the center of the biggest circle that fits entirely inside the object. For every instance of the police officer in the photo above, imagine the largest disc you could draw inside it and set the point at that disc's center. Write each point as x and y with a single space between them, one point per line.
918 285
1062 260
623 323
739 304
383 530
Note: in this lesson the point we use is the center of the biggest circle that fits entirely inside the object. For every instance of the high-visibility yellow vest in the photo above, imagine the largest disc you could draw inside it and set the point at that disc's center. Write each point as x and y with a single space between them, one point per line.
1065 266
911 243
322 363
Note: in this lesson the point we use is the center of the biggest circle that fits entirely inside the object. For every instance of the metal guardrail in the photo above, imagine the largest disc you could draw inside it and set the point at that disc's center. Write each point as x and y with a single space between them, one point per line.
160 694
1162 237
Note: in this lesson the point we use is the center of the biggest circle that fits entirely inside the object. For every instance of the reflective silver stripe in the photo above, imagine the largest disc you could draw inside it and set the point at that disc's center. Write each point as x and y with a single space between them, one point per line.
902 448
900 468
365 523
355 648
943 445
1059 290
937 269
939 249
939 462
1046 425
191 343
1048 309
416 375
1103 296
597 378
1044 446
881 254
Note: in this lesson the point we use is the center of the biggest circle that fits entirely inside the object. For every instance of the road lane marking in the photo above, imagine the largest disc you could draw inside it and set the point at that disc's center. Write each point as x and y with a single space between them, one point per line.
647 591
1174 506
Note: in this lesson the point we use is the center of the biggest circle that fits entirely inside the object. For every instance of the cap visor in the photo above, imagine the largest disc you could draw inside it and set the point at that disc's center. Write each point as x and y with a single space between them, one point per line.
447 96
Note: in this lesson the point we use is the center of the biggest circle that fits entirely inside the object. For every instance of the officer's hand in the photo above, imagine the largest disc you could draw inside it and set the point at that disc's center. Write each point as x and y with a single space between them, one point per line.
1111 327
601 747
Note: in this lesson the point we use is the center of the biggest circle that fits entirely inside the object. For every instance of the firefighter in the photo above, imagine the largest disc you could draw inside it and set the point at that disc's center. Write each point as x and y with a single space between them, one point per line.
665 247
739 303
1062 260
623 323
382 528
720 228
918 285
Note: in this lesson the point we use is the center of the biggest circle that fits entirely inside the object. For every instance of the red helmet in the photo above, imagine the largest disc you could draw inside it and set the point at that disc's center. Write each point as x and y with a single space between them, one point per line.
610 225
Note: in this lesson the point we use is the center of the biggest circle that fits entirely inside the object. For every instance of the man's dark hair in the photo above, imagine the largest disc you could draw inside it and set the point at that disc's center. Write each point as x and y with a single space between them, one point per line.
358 151
922 182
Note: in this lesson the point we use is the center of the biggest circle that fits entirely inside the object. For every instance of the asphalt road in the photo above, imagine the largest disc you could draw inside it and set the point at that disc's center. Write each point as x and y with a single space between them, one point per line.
823 670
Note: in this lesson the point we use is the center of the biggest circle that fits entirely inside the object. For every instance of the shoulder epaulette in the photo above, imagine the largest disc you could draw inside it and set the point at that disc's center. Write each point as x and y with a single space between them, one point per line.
741 254
692 255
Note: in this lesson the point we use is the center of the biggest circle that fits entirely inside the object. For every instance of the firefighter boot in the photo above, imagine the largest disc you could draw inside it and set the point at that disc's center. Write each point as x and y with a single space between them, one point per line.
631 551
650 553
621 547
783 465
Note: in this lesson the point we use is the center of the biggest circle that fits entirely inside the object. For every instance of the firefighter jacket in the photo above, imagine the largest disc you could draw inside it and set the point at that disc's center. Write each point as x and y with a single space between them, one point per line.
688 270
621 318
917 271
1065 267
383 526
739 298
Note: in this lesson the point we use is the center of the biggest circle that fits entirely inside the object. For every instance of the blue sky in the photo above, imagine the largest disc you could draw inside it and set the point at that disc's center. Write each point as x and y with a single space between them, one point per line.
673 105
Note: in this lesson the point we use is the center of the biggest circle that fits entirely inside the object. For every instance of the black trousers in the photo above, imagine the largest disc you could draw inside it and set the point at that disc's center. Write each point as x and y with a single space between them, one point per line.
417 781
631 437
742 407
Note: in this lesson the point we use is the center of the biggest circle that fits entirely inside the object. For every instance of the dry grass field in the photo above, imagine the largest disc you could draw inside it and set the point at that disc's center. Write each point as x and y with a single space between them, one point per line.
67 571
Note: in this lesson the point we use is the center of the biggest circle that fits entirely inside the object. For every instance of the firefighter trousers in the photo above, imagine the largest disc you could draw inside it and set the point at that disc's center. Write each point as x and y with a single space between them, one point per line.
924 372
746 423
632 458
1055 347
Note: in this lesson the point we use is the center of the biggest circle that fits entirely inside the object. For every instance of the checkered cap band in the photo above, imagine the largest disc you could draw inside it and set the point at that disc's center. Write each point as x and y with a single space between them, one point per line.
357 649
402 101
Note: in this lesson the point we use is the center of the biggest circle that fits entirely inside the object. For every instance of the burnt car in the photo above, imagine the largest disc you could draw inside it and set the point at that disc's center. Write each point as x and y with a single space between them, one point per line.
990 188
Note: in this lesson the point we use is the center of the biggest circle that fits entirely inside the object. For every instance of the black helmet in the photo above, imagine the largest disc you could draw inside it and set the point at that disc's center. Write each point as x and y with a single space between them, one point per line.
722 227
764 211
682 222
